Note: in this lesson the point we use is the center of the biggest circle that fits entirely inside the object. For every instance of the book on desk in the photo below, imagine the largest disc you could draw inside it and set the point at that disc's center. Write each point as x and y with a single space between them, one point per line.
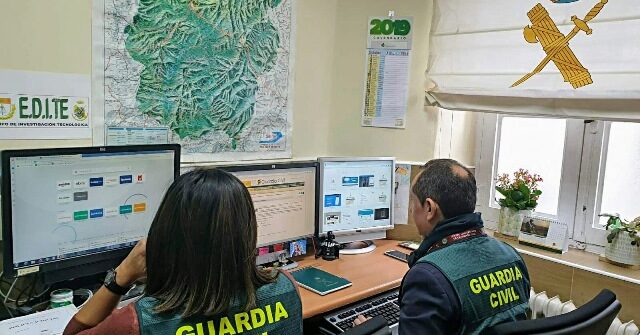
319 281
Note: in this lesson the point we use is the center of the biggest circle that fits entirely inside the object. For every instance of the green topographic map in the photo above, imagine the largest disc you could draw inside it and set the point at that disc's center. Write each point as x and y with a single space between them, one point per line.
215 72
201 61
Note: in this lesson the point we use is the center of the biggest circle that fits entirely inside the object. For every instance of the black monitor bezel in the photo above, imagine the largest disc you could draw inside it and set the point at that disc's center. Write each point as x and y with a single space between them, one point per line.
282 166
7 214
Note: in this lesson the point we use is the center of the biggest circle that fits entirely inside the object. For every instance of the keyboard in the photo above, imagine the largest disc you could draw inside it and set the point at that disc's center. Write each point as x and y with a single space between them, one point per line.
385 304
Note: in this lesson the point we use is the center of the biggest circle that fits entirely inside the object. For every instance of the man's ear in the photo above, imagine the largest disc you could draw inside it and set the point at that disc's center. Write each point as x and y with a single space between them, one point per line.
431 208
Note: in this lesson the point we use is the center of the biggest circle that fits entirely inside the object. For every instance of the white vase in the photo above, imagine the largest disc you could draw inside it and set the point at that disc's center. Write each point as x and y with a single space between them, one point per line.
621 250
510 221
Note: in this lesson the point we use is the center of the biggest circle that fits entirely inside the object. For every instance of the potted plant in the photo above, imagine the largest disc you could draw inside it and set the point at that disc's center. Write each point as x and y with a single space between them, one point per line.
520 197
623 240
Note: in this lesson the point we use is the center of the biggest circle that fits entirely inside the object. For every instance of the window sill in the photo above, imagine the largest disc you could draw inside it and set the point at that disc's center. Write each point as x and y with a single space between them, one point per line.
578 259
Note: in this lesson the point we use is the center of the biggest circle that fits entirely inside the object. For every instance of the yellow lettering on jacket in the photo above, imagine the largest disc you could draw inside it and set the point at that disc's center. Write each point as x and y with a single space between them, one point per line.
503 297
257 318
475 286
200 329
495 279
518 273
493 298
239 323
185 330
226 327
267 310
500 277
281 313
242 322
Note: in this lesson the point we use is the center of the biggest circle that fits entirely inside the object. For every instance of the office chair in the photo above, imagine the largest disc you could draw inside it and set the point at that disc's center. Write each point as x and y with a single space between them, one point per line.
593 318
375 326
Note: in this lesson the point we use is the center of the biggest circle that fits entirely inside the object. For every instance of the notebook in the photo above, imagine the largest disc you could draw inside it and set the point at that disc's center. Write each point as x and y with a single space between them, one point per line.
319 281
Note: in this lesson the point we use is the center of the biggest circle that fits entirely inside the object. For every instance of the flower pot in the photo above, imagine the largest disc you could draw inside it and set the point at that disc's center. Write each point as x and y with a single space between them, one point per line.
510 221
621 250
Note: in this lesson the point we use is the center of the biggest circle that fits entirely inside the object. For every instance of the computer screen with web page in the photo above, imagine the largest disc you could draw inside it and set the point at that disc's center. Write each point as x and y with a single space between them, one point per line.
64 205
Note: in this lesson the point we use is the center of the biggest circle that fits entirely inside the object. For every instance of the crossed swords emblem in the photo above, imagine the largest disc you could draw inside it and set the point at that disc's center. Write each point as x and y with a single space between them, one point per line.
556 45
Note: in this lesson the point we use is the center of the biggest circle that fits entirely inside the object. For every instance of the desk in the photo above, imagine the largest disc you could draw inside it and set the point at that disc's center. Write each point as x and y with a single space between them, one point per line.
371 274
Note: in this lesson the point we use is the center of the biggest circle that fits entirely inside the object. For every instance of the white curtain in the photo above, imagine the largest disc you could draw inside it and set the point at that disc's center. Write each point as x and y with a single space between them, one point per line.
478 50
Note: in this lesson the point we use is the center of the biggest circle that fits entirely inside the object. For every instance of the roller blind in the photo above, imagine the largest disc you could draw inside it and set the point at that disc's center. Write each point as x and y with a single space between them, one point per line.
587 53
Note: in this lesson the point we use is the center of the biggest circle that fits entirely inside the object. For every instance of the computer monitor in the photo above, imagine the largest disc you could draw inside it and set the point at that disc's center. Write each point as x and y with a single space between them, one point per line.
284 197
357 200
73 212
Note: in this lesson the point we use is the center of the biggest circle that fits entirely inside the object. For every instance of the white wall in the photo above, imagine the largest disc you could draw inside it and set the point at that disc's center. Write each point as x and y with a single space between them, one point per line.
50 36
316 28
417 141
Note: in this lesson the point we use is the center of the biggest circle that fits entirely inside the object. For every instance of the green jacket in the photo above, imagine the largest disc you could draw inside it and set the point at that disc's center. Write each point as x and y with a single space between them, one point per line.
490 280
278 311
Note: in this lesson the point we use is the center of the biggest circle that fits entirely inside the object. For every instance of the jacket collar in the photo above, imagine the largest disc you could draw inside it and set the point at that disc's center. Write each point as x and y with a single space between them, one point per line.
445 228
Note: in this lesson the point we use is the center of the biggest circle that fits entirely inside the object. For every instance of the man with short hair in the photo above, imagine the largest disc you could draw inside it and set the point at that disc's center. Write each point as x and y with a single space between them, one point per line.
460 280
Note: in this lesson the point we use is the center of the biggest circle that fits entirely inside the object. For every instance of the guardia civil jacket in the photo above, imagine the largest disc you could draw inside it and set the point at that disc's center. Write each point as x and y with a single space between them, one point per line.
278 311
463 287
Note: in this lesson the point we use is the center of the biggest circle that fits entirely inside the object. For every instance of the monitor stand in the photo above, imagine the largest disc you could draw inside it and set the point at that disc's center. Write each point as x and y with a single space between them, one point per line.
356 248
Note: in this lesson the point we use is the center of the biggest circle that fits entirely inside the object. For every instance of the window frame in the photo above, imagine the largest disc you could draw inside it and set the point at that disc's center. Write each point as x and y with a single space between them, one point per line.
487 149
592 184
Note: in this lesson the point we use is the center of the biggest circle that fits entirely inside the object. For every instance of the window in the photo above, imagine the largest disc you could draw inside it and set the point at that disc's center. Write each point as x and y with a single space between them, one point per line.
610 177
589 167
621 175
538 145
549 147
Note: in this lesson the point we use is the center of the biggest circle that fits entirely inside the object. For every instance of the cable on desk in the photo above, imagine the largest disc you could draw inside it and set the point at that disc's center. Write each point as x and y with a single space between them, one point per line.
19 303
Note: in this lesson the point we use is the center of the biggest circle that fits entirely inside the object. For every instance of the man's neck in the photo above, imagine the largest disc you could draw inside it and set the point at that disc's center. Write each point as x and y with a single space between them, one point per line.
445 228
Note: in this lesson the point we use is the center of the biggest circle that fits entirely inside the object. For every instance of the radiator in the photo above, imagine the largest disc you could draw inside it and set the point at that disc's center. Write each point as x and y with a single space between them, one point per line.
543 306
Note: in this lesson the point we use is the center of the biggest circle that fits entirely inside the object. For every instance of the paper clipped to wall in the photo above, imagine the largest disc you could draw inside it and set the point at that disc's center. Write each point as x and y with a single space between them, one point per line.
402 192
387 76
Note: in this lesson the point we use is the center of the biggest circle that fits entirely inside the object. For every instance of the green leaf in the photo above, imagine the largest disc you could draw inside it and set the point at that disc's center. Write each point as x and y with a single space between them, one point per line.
536 193
613 235
525 190
517 196
502 191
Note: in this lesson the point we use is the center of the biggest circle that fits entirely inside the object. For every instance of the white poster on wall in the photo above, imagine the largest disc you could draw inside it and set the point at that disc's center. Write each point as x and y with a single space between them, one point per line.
42 105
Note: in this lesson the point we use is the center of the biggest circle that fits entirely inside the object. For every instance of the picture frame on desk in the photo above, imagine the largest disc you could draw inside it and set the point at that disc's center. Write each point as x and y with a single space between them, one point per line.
546 234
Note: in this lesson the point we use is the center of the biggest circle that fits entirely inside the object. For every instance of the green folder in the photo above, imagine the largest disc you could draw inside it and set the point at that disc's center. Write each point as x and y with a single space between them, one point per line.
319 281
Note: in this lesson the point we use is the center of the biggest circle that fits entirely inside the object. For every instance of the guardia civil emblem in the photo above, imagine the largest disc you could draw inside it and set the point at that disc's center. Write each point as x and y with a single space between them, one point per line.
555 44
80 111
7 110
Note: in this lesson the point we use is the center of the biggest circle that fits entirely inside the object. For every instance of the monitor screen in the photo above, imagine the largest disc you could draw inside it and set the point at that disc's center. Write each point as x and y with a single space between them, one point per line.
284 197
76 204
357 194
